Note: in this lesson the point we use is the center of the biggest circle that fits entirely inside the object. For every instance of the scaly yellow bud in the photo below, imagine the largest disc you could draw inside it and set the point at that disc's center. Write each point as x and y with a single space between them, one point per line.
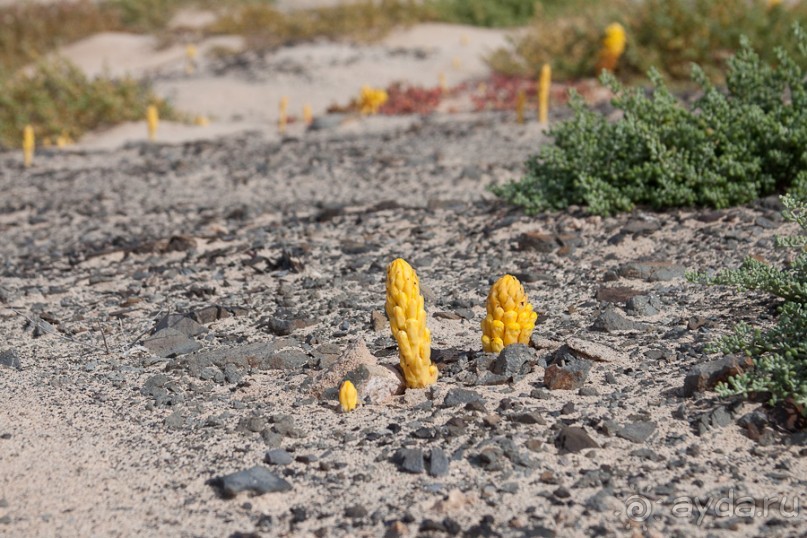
613 45
407 319
510 319
308 114
348 396
543 93
152 120
28 145
372 99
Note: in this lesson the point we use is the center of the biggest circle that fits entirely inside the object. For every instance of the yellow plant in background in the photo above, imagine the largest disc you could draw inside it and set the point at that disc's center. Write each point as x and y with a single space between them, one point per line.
308 114
510 319
407 319
441 81
544 84
613 45
283 117
152 121
371 99
28 145
348 396
521 102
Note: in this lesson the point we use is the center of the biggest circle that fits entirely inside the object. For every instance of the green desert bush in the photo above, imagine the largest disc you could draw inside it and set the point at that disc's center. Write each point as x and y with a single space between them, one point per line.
732 146
58 99
667 34
779 353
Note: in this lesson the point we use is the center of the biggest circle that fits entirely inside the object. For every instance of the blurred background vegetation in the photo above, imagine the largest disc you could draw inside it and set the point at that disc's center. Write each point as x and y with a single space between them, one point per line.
667 34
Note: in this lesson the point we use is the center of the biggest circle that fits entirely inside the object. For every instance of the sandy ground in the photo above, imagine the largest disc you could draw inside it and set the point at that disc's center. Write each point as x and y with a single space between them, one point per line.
102 435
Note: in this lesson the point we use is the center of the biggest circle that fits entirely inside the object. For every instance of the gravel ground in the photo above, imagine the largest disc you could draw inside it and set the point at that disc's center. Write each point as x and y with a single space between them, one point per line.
173 314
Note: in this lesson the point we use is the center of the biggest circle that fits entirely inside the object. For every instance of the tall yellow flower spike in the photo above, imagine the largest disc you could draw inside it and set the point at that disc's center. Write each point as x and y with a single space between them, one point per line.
510 319
613 45
152 120
28 145
543 94
407 318
348 396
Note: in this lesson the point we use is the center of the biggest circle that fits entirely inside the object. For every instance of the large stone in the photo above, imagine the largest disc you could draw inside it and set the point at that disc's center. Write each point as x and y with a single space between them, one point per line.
170 343
610 320
458 396
10 359
182 323
703 377
643 305
258 480
374 382
637 432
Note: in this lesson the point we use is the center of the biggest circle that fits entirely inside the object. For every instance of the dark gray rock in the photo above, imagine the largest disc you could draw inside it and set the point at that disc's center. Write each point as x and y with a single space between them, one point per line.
574 439
410 460
10 359
585 349
703 377
637 432
277 456
654 271
567 373
182 323
532 417
174 421
290 359
357 511
438 462
643 305
170 343
512 360
610 320
647 454
458 396
257 480
616 294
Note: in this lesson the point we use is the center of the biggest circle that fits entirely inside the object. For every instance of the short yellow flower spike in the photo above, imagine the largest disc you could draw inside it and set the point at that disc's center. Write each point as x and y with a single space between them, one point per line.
28 145
407 318
510 319
152 120
543 94
613 45
371 100
348 396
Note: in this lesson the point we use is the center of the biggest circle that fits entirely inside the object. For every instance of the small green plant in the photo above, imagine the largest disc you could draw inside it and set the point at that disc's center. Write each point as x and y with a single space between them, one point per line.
490 13
58 99
779 353
730 148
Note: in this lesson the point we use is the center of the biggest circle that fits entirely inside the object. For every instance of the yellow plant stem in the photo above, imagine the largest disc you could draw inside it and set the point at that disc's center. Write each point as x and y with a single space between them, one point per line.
28 145
152 121
544 84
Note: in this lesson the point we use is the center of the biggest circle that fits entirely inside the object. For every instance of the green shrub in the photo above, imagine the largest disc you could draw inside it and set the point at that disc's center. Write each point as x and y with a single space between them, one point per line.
731 147
58 99
779 353
490 13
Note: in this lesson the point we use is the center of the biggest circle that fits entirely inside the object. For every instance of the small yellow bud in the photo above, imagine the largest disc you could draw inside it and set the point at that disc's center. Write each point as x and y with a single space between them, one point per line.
152 121
201 121
544 84
308 115
283 118
442 81
190 55
371 100
456 63
348 396
28 145
510 319
407 319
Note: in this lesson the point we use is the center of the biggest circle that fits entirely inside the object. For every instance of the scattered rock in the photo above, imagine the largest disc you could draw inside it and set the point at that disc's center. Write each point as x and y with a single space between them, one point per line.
584 349
212 313
539 242
170 343
703 377
409 460
610 320
258 480
643 305
10 359
459 396
616 294
654 271
511 360
574 439
566 373
378 320
277 456
438 462
181 323
637 432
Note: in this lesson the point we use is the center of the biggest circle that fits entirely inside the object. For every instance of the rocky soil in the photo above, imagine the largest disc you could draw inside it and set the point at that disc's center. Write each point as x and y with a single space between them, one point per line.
174 318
